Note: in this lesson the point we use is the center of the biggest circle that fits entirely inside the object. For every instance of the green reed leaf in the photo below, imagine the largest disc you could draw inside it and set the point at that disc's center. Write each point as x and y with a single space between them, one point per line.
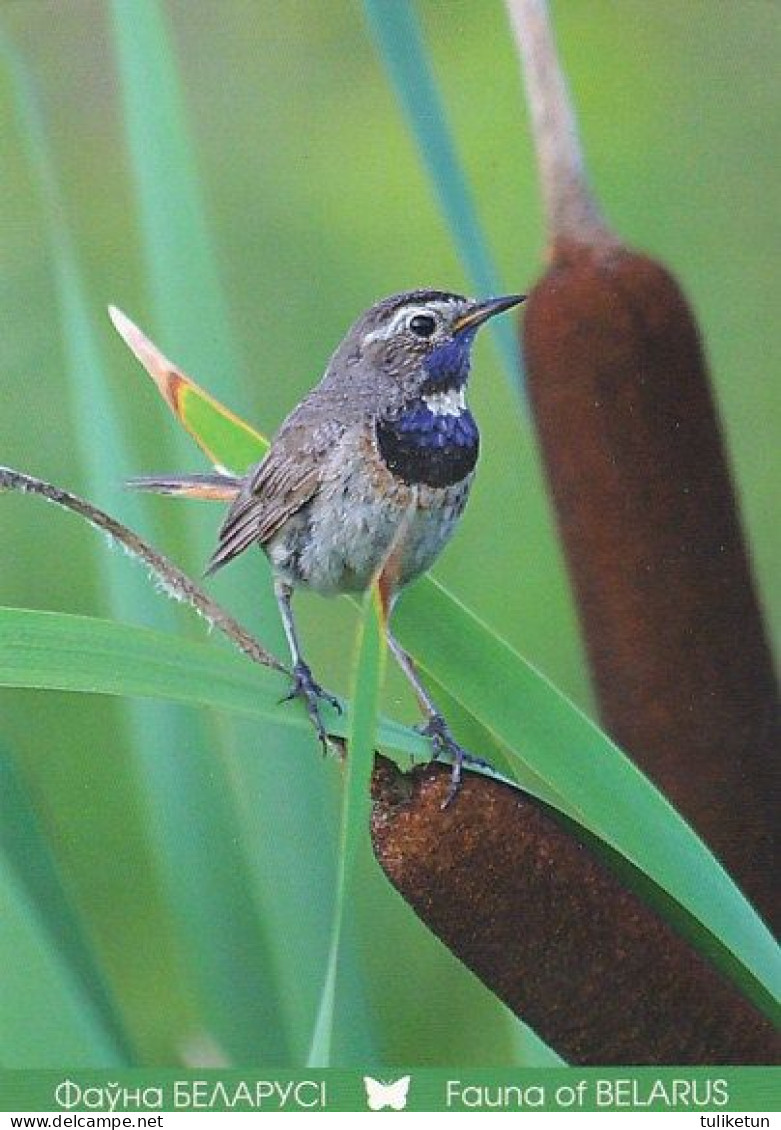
356 812
58 651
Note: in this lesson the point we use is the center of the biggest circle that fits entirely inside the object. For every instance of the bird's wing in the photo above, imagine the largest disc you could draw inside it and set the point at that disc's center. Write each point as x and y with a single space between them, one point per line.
286 480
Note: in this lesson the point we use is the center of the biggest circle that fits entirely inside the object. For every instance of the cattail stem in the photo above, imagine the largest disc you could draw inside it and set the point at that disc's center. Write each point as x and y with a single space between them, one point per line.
572 211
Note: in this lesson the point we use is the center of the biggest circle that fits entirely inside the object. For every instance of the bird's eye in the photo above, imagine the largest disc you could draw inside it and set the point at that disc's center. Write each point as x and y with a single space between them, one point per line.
423 325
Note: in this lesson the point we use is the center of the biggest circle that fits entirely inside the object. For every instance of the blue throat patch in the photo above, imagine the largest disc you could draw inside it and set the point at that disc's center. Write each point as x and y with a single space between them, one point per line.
448 365
421 446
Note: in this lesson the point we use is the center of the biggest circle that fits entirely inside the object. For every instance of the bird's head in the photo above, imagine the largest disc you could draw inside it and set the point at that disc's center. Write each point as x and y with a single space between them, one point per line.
418 344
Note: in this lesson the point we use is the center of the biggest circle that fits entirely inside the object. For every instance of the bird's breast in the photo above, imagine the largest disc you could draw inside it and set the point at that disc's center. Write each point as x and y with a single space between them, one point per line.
339 539
433 441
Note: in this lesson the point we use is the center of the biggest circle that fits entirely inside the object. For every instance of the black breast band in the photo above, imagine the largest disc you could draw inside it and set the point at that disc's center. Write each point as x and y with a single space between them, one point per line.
421 446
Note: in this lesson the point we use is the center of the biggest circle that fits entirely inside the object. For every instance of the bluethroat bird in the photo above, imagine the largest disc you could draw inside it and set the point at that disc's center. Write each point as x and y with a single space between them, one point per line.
371 470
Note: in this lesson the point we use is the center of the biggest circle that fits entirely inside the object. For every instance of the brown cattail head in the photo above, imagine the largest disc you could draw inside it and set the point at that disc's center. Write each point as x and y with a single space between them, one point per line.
638 473
650 525
549 929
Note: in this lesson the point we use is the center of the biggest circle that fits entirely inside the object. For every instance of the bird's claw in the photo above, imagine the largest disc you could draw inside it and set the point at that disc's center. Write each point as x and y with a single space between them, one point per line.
305 687
436 729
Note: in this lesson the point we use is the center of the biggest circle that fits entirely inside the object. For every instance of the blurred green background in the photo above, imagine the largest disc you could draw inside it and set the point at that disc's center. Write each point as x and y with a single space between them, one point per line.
197 855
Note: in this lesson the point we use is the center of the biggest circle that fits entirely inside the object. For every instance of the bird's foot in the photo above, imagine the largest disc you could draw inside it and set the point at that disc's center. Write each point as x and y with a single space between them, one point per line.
436 729
305 687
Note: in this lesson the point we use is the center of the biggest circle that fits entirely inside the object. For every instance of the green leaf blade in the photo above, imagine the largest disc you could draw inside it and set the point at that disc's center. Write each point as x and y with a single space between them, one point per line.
356 811
59 651
240 446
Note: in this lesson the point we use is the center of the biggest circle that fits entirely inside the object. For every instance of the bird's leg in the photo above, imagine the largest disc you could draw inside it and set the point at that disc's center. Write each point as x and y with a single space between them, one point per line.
435 727
304 684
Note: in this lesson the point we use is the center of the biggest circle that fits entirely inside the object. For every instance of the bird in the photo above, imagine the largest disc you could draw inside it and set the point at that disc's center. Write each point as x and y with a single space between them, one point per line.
369 474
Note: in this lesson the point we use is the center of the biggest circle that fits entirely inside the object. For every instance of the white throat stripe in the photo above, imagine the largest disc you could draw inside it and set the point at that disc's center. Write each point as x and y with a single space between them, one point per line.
449 403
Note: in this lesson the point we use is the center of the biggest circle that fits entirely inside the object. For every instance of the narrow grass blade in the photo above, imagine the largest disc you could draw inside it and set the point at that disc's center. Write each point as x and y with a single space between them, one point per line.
356 810
400 42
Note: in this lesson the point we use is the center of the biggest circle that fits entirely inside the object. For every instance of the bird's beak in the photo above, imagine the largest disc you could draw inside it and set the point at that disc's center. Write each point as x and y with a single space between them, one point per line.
482 311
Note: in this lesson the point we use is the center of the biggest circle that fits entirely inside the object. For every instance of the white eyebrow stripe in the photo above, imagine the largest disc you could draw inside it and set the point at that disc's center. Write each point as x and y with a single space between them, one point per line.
449 403
401 317
396 322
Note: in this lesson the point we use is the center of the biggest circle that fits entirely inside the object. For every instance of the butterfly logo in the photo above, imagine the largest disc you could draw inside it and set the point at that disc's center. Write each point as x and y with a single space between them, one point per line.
379 1094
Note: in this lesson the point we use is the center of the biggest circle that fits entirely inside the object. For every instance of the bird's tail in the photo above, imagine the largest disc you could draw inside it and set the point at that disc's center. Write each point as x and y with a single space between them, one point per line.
222 488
